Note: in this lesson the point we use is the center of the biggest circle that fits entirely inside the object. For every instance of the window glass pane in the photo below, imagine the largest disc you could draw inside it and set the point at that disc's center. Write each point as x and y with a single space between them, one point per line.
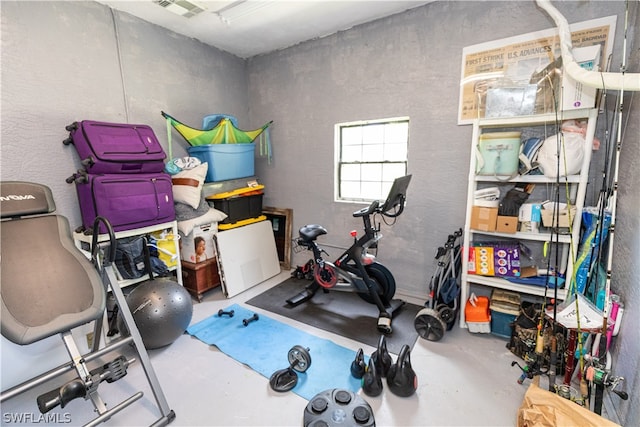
350 189
373 134
396 132
352 153
371 155
352 135
370 190
350 172
395 152
371 171
391 171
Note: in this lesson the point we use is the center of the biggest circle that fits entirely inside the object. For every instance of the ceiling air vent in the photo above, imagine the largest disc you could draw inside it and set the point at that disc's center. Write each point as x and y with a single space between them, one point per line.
181 7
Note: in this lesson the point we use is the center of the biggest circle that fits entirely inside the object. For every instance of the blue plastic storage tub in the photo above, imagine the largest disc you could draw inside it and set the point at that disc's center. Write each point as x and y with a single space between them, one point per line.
226 161
502 322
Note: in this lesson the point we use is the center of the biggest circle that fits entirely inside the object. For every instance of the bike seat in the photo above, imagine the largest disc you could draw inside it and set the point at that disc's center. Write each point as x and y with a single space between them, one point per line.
311 232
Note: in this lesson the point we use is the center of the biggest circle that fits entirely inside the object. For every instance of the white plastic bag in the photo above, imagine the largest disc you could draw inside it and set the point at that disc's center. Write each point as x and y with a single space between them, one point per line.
569 146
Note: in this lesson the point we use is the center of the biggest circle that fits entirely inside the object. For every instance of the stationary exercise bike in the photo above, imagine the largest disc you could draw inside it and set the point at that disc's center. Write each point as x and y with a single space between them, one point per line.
356 270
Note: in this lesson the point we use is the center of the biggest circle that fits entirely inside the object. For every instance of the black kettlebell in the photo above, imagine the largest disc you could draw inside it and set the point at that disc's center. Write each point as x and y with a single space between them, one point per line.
358 367
372 381
401 378
381 357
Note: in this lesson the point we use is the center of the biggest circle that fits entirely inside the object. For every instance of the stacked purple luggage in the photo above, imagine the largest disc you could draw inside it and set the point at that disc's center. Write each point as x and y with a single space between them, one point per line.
123 178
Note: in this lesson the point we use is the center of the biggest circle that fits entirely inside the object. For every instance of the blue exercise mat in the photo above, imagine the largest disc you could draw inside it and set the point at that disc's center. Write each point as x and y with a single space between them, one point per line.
264 345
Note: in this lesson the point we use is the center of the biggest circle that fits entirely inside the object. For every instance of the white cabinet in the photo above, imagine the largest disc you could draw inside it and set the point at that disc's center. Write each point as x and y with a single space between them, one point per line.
83 242
575 185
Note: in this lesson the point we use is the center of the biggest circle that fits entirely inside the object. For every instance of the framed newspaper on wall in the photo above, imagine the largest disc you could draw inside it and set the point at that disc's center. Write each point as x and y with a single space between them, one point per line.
521 62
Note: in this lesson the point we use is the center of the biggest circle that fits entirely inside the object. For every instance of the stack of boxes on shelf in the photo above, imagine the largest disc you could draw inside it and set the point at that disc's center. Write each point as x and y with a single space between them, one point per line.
484 213
229 188
496 258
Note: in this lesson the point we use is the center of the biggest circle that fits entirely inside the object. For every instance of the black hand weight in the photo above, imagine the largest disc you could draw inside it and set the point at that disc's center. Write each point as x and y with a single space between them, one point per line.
401 378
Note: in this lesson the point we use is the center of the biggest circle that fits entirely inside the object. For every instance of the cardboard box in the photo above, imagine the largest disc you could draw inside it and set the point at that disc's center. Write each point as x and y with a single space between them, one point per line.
548 219
529 212
494 259
202 234
507 224
575 95
483 218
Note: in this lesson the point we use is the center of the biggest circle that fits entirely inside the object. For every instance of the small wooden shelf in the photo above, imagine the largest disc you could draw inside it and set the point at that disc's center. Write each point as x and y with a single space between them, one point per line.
201 277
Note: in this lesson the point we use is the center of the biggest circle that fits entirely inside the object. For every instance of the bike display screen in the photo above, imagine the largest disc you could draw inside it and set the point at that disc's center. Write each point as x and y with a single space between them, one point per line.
397 194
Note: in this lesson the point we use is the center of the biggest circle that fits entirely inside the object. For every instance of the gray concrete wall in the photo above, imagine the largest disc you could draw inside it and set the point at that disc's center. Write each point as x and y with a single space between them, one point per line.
68 61
409 65
405 65
626 259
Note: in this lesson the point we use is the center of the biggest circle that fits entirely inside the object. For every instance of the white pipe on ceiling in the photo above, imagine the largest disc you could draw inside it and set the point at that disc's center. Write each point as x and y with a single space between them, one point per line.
597 79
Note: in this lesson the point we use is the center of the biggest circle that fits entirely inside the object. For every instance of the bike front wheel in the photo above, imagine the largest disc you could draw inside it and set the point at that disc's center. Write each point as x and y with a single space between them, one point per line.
385 283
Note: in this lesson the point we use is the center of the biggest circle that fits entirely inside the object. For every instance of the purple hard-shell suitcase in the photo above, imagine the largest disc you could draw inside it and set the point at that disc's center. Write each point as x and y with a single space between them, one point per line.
116 147
127 201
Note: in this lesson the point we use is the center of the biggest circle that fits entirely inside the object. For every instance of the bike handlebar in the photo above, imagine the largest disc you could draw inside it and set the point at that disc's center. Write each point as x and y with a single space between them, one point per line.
375 207
372 208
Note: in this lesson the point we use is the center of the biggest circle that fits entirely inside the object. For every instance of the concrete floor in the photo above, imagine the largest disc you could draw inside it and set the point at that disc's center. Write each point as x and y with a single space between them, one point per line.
463 380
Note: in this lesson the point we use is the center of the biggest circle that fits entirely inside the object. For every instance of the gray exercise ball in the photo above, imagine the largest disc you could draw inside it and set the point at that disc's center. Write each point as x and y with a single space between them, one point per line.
162 310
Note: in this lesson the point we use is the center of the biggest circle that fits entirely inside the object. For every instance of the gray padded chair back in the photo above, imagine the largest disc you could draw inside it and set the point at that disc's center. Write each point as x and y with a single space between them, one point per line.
47 285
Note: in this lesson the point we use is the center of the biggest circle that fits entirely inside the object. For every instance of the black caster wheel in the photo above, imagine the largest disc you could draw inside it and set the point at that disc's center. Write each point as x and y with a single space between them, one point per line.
447 314
429 325
71 127
299 358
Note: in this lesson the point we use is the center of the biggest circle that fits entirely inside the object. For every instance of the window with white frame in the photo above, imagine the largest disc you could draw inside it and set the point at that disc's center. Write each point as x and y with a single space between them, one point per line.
369 156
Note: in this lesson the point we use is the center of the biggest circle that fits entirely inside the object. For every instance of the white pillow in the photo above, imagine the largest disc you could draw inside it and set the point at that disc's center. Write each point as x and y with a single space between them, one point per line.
187 185
214 215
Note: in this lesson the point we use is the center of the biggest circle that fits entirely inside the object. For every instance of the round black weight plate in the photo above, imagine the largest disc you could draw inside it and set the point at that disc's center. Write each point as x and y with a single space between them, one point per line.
299 358
338 408
429 325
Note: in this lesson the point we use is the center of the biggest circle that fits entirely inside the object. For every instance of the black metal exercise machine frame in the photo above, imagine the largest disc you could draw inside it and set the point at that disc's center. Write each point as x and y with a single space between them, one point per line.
355 270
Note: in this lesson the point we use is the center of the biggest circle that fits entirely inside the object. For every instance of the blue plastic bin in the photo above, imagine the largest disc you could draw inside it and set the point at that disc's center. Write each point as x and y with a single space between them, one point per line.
502 322
226 161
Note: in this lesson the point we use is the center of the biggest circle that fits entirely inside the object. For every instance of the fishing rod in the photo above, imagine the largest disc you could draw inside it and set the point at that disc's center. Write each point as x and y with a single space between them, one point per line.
603 81
556 234
594 239
602 350
535 365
